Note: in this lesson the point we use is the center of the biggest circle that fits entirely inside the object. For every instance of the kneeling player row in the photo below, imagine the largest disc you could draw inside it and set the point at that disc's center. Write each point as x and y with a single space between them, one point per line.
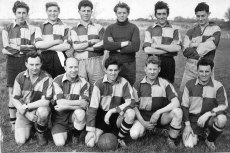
114 105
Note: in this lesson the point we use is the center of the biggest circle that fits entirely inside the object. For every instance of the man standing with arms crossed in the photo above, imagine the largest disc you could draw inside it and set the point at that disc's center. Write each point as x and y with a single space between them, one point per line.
18 39
164 41
122 40
52 39
87 42
200 41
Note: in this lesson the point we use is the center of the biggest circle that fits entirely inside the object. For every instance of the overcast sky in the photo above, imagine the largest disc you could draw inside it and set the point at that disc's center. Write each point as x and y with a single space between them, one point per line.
104 8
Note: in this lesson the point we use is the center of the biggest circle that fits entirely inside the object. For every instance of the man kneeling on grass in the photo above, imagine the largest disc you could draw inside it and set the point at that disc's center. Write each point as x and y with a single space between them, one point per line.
204 104
156 103
31 96
111 106
71 94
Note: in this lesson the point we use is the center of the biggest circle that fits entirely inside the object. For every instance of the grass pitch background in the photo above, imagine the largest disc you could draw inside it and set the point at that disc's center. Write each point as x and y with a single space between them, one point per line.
149 143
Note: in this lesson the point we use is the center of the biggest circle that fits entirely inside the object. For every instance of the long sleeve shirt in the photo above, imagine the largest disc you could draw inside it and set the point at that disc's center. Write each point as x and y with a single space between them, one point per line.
207 40
120 32
198 99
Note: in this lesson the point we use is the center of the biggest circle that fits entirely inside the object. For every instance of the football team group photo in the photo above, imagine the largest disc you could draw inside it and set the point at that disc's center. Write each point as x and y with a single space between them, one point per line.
115 84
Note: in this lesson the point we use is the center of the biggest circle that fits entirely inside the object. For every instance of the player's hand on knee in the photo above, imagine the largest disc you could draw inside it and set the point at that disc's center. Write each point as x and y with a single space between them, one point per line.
31 116
84 104
90 139
148 125
202 119
107 116
154 118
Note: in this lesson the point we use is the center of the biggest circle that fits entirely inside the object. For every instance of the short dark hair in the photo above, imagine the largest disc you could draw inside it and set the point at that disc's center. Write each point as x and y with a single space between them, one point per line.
112 61
205 62
49 4
19 4
121 5
33 54
85 3
153 60
202 7
161 5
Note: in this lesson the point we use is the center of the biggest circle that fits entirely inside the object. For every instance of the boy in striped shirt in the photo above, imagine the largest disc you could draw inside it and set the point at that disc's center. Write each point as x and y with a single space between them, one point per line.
52 41
18 39
163 40
32 93
87 43
111 106
204 105
71 96
200 41
157 104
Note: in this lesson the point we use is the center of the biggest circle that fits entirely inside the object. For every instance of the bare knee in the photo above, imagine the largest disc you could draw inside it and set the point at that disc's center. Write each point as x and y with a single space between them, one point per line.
79 114
59 142
43 113
134 133
20 141
177 113
89 140
129 115
221 120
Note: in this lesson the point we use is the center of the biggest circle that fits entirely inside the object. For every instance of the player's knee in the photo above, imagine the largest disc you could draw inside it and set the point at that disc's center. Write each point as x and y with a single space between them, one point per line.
177 113
221 120
129 115
20 140
134 134
79 114
43 113
59 142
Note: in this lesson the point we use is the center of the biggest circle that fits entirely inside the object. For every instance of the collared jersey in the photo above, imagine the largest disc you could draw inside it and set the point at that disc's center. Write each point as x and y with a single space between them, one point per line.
81 34
106 96
14 35
55 31
26 92
208 40
152 97
198 99
162 35
65 89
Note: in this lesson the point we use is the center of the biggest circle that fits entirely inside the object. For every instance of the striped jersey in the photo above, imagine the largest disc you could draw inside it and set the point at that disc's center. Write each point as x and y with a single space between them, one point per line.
49 31
27 92
152 97
198 99
162 35
208 40
106 96
65 89
18 39
81 34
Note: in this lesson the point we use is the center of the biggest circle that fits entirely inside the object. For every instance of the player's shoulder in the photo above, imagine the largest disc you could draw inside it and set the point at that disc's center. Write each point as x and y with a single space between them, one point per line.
58 79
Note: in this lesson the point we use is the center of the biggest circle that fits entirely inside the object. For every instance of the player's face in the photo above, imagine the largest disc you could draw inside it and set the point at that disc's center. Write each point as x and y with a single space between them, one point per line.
21 15
202 17
112 72
71 68
204 73
161 15
122 14
85 13
52 13
34 65
152 71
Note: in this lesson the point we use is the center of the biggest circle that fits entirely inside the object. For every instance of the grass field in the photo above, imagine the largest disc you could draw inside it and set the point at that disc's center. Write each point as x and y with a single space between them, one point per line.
151 142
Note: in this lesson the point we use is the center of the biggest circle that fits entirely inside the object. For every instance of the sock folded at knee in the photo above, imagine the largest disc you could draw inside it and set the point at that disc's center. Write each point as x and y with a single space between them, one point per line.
40 128
124 130
176 132
215 131
12 112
